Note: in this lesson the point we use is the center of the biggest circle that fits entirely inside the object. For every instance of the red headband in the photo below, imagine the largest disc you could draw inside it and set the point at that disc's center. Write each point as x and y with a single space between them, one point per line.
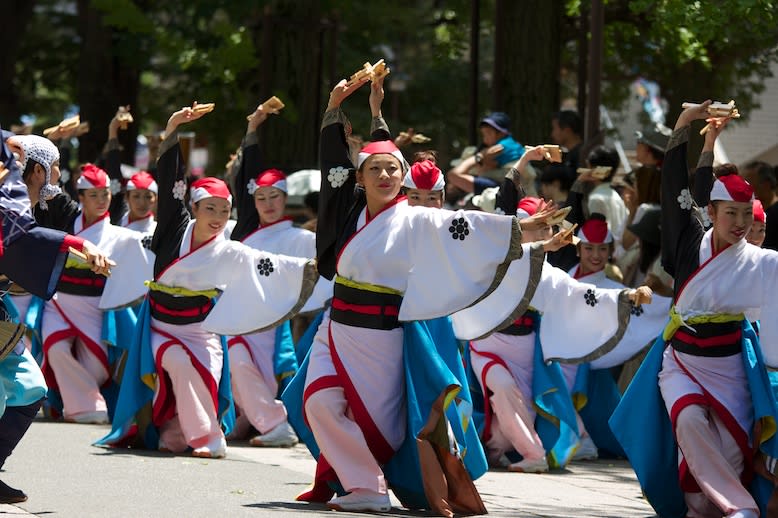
210 187
92 177
424 175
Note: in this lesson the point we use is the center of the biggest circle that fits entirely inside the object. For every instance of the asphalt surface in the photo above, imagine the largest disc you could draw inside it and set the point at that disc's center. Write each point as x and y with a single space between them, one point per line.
65 476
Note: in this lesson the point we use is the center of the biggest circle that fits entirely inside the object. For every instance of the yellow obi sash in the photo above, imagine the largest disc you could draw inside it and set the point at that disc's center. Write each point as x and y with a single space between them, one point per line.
677 321
179 291
365 286
179 306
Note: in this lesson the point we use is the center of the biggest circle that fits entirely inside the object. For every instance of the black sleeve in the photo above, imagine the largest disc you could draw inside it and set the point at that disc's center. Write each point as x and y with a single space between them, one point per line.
771 230
61 213
250 165
379 130
564 258
337 199
172 215
113 166
510 192
702 179
575 199
681 230
64 157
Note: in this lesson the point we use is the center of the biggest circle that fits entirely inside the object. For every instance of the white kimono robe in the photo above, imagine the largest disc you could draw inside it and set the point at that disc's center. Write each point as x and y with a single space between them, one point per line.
71 316
258 290
280 237
580 323
645 324
284 238
144 225
418 252
740 279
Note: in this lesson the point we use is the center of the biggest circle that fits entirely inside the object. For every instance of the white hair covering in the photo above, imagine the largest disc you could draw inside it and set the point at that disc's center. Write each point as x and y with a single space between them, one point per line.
44 152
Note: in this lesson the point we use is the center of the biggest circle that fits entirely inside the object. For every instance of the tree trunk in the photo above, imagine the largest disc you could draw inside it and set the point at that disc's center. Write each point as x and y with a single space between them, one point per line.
16 16
526 75
290 39
105 81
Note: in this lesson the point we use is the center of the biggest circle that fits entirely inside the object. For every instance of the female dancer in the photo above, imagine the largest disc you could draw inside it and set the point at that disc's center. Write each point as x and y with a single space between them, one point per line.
507 365
387 259
595 394
141 201
179 363
261 364
76 359
713 388
134 209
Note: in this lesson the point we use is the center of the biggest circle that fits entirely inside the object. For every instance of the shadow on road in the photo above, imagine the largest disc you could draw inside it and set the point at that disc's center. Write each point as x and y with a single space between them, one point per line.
303 507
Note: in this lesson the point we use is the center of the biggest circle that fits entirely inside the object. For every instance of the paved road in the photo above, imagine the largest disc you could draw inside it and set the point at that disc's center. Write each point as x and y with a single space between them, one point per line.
66 477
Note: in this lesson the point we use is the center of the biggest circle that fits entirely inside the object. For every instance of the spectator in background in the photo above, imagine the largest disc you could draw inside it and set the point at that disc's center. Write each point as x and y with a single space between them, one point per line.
650 151
763 178
456 197
567 132
641 189
602 198
555 183
488 166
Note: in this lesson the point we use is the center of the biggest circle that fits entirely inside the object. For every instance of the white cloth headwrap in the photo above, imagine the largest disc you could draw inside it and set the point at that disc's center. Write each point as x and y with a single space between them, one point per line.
44 152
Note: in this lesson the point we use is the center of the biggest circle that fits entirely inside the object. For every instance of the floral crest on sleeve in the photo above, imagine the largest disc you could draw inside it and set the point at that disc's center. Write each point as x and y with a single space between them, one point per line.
459 228
590 298
685 199
252 186
179 190
265 267
704 218
116 186
337 176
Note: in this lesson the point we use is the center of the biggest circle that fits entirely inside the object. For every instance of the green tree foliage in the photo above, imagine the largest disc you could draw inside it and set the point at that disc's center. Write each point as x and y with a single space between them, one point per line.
693 49
163 55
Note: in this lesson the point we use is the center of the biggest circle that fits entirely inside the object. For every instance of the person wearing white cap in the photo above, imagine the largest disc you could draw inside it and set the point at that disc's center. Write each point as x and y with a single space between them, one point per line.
39 159
695 437
34 257
178 362
705 175
758 229
385 257
262 364
40 167
580 323
595 249
424 185
76 358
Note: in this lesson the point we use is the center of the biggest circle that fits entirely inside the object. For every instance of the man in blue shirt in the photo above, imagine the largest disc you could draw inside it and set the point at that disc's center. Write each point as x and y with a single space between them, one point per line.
488 166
